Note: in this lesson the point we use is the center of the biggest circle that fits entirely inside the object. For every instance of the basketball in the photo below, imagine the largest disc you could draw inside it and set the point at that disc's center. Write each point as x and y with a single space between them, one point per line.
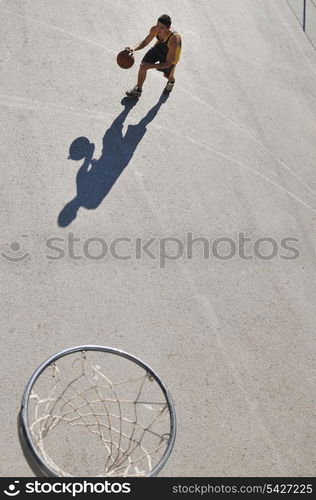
125 59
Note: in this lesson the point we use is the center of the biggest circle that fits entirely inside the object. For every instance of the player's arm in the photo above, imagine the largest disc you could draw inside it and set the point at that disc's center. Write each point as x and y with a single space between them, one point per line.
151 35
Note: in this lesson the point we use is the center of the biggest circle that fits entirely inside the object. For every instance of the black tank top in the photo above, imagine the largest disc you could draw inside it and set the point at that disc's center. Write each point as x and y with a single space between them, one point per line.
162 45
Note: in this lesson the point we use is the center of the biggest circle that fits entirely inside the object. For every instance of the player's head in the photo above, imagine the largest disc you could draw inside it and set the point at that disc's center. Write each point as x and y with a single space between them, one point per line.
80 148
163 24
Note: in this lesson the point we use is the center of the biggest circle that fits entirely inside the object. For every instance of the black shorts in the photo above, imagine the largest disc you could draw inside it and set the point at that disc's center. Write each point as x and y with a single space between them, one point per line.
153 56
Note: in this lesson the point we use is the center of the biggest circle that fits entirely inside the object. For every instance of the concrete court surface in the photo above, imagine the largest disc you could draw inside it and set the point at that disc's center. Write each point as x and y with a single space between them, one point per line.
231 152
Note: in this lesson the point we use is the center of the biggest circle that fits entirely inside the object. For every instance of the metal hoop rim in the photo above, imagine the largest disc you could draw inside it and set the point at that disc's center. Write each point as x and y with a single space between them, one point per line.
25 433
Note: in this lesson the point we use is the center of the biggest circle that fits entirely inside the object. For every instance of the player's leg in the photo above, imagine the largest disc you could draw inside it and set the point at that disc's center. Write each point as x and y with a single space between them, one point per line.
169 73
137 90
142 73
151 57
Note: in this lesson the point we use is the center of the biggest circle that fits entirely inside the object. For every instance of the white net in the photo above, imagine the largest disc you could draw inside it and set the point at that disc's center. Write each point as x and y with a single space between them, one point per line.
85 424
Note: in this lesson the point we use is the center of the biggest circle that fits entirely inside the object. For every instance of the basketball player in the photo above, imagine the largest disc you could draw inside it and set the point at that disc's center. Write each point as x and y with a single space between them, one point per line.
163 56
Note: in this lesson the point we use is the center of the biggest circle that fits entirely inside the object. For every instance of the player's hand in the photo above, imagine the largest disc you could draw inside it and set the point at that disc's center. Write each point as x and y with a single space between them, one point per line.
129 49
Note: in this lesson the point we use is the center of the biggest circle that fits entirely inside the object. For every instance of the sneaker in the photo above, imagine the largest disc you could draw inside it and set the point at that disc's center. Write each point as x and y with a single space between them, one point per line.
134 92
168 88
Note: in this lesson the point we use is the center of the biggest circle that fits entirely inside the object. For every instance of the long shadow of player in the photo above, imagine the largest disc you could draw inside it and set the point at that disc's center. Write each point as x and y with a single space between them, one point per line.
95 178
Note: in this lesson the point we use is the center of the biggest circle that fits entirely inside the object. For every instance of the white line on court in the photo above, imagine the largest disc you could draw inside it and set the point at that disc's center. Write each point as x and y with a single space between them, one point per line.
243 165
36 105
51 26
243 131
313 69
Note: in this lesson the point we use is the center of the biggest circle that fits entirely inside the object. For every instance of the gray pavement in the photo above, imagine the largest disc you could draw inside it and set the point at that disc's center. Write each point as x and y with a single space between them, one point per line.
231 152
